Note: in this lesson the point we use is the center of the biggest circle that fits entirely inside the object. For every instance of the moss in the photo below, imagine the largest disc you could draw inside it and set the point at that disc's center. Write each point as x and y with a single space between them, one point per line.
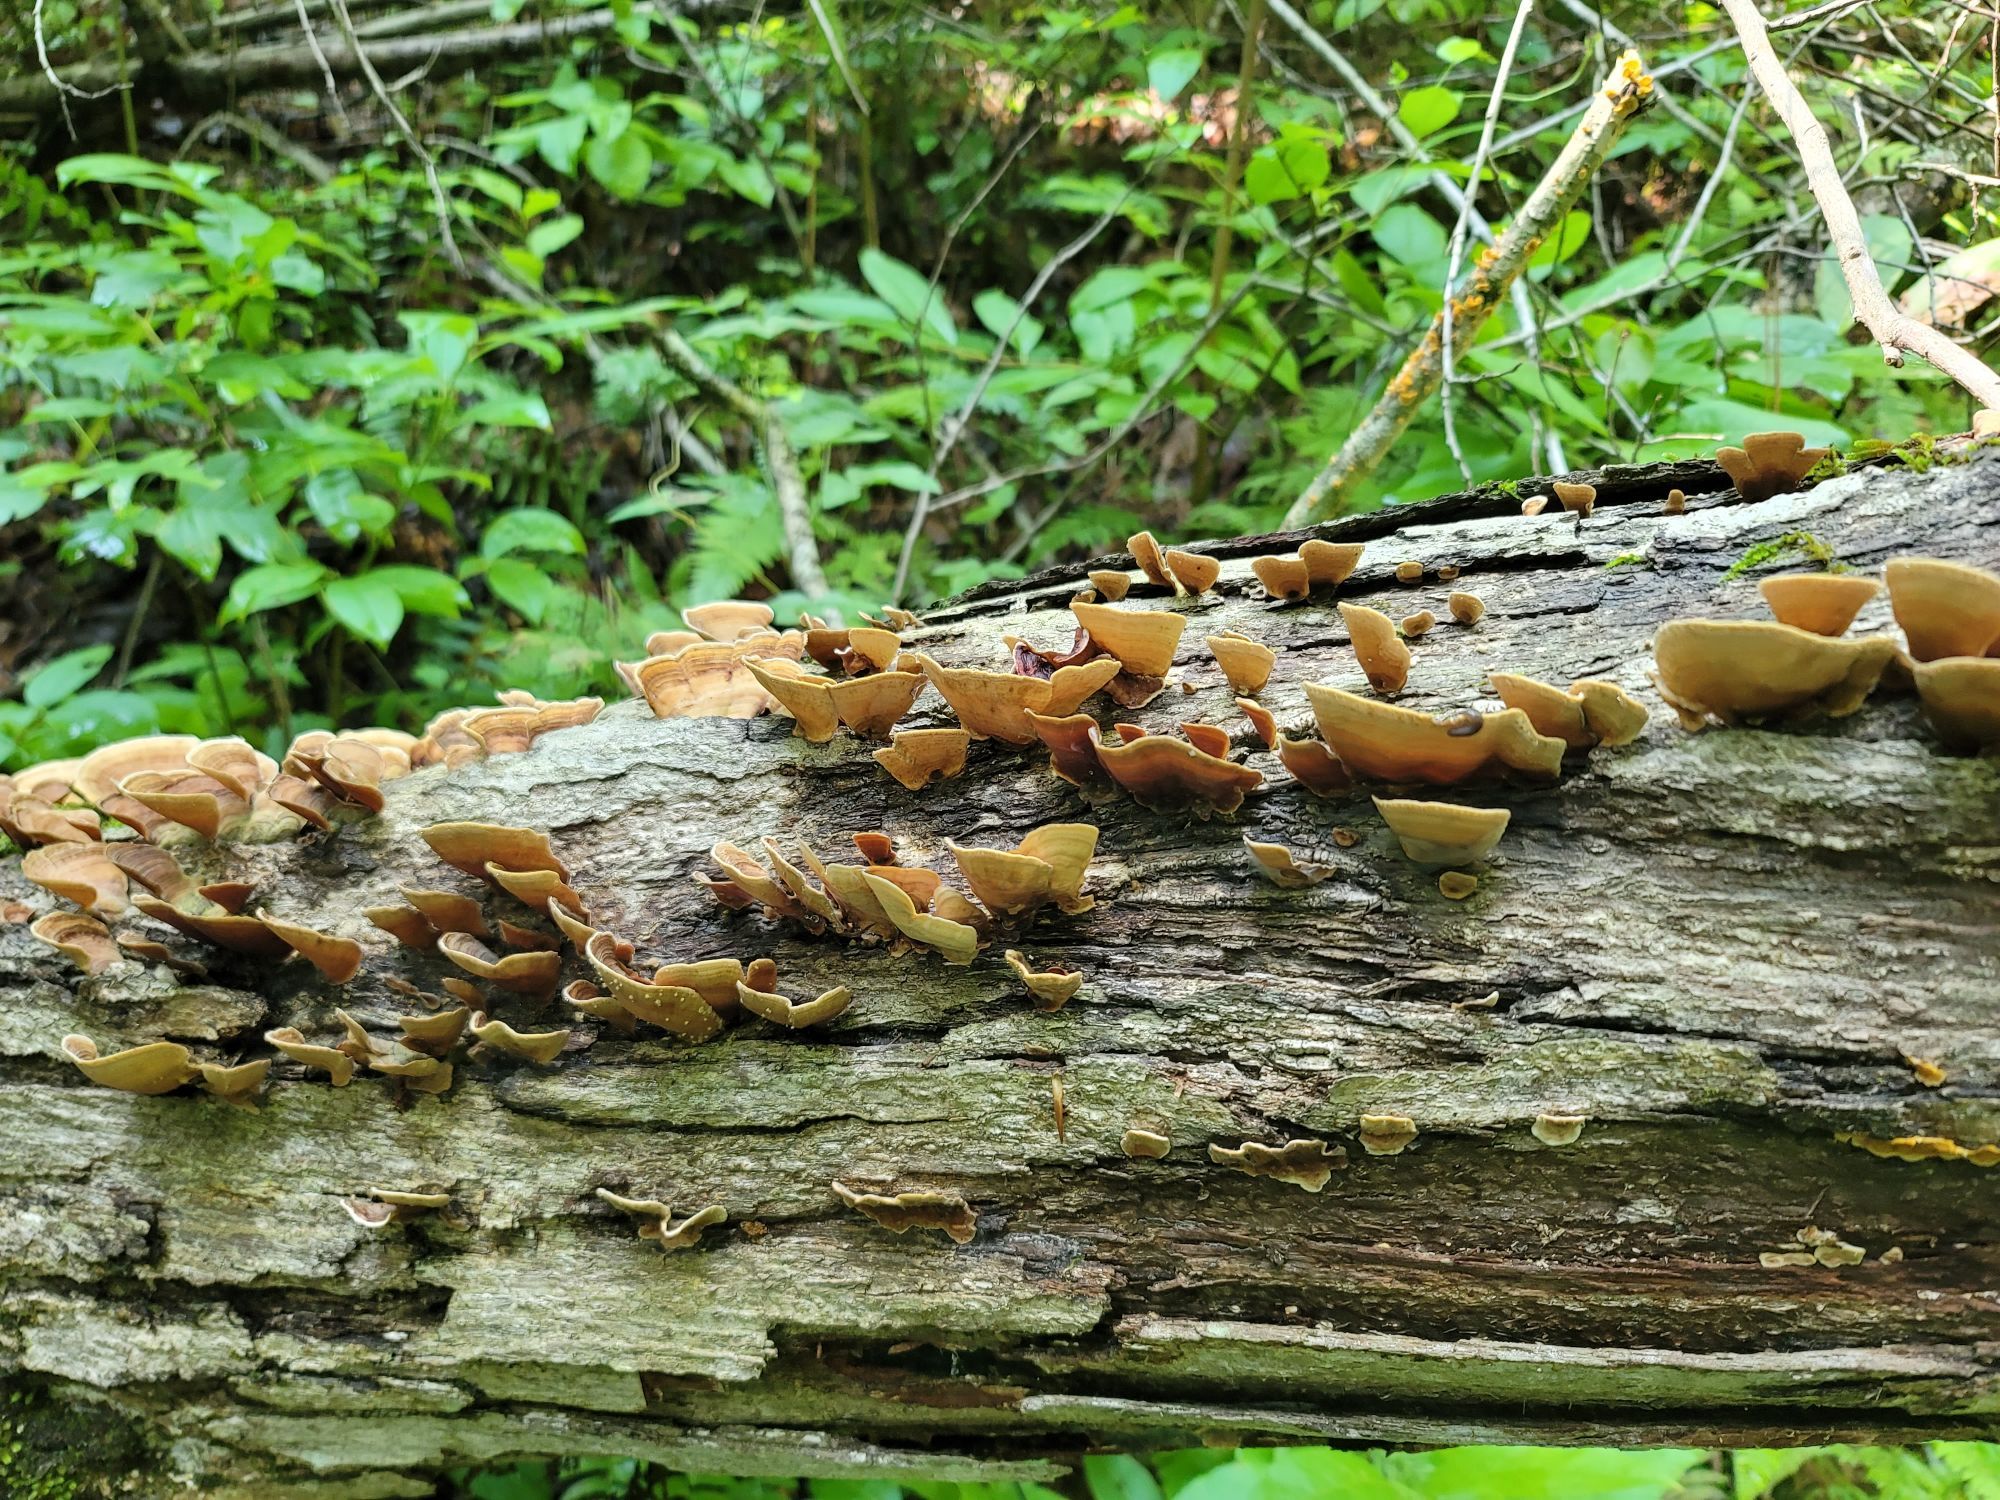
51 1449
1630 560
1511 488
1802 542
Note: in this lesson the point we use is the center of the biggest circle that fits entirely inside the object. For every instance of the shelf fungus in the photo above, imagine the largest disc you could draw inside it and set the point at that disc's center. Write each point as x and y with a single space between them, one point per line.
1277 864
152 951
1734 671
86 874
338 959
656 1220
378 1208
201 915
1309 1164
1823 603
1314 766
1677 502
1148 559
1534 505
436 1034
1961 698
1145 1145
1467 609
155 1068
1193 572
238 1085
405 924
544 890
542 1047
672 1007
1386 1135
795 1014
1316 565
997 705
1385 660
709 679
411 1069
728 619
917 757
1111 583
1577 499
1829 1249
1769 463
1589 713
1456 885
1141 641
1922 1148
513 728
1439 834
869 705
1052 987
535 974
1944 608
82 939
1381 742
1557 1130
1165 774
587 999
1046 867
337 1065
470 847
947 1212
953 940
1420 623
1072 746
1245 663
854 652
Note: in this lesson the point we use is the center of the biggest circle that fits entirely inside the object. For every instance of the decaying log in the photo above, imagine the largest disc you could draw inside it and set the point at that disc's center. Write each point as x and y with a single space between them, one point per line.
1719 949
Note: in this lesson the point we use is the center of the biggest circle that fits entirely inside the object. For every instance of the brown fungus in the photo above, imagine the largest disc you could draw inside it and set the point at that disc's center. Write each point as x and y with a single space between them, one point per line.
1144 1145
84 874
1824 603
542 1047
1143 640
947 1212
656 1220
794 1014
544 890
1944 608
155 1068
1317 564
1315 767
587 999
728 619
405 924
1961 698
1385 660
1309 1164
1262 720
470 847
997 705
1577 499
1592 712
436 1034
1381 742
1147 557
956 942
1386 1134
1435 834
1417 624
1769 463
674 1008
709 679
1277 864
1245 663
917 757
198 915
1052 987
1737 670
1465 608
1192 571
238 1085
1557 1129
1072 745
533 974
80 938
1110 583
1534 505
338 959
1048 865
377 1208
1411 571
1166 774
338 1065
1456 885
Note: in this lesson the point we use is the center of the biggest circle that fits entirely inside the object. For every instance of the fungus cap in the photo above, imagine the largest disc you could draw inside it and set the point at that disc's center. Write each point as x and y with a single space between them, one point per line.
728 619
1276 864
470 847
1385 660
541 1047
1557 1129
656 1220
534 973
155 1068
1418 624
1110 583
85 874
795 1014
1143 640
338 959
1146 556
917 757
234 1085
1314 766
1192 571
1961 698
405 924
1732 670
1309 1164
1386 1134
1465 608
1768 463
871 705
1166 774
1052 987
1578 499
1944 608
1382 742
80 938
1411 571
1824 603
674 1008
1435 834
1262 720
1283 577
806 696
544 890
1456 885
1246 663
955 942
1145 1145
437 1033
915 1210
997 705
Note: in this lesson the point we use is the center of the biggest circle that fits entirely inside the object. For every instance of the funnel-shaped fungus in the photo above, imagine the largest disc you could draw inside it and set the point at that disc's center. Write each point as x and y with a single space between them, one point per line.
1578 499
1111 584
1768 463
1534 505
727 619
470 847
542 1047
674 1008
1072 743
156 1068
291 1041
199 915
1314 767
1309 1164
1381 742
1961 698
1824 603
1557 1130
656 1220
337 958
587 999
84 874
1466 608
81 939
1145 550
1436 834
1276 864
1417 624
1246 663
1733 670
916 1210
917 757
1143 640
509 730
535 974
1167 774
955 942
1386 1135
871 705
436 1034
996 705
1053 987
709 680
1316 564
1944 608
802 694
238 1085
1144 1145
405 924
795 1014
1048 865
1592 712
544 890
1192 571
1385 660
1456 885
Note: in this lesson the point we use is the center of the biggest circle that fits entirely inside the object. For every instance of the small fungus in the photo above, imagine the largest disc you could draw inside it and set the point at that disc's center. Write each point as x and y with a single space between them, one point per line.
1578 499
155 1068
728 619
1534 505
1315 767
871 705
1046 866
1456 885
1192 571
1053 986
1557 1130
338 959
587 999
997 705
1410 572
1111 584
1735 670
1944 608
1418 624
1893 1256
1778 1260
1145 1145
542 1047
1072 745
803 695
1386 1135
405 924
544 890
464 990
470 847
199 915
1276 864
1246 663
656 1220
1143 640
435 1035
1309 1164
1824 603
956 942
1922 1148
1466 608
1166 774
795 1014
338 1065
81 939
1385 660
1592 712
1317 564
1436 834
917 757
84 874
1262 720
673 1007
1146 555
915 1210
1447 572
381 1207
533 974
1928 1073
1768 463
1382 742
1961 698
1677 502
237 1085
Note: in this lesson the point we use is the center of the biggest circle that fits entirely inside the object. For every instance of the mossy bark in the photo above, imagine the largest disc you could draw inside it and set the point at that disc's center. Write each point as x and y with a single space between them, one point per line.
1719 948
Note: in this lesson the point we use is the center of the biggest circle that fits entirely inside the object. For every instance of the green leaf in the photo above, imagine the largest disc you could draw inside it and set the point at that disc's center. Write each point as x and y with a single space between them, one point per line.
548 237
515 409
745 176
1428 110
908 293
557 141
347 511
622 163
522 587
1119 1477
1411 238
997 311
368 606
445 339
1170 71
530 529
60 677
1289 167
271 586
1541 1473
424 591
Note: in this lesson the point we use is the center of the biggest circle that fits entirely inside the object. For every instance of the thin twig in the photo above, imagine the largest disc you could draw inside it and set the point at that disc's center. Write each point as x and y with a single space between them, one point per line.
403 128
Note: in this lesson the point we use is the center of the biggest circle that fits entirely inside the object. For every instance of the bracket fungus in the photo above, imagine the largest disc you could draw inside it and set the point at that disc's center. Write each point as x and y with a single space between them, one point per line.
155 1068
954 941
869 705
795 1014
1143 640
338 959
1385 660
1314 766
1309 1163
1046 866
237 1085
656 1220
80 938
1145 1145
535 973
947 1212
1961 698
470 847
709 679
1557 1130
1381 742
514 727
1824 603
1417 624
542 1047
1577 499
1317 564
1052 987
917 757
86 874
1386 1135
200 915
1467 609
544 890
1768 463
1437 834
1944 608
1591 712
1278 865
1245 663
405 924
1147 558
1165 774
1456 885
997 705
289 1040
1534 505
728 619
1736 670
1110 583
377 1208
1072 746
587 999
436 1034
1193 572
672 1007
1677 502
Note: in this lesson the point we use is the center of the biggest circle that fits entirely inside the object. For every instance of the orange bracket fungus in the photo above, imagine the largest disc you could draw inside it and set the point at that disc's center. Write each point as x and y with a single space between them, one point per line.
1277 865
544 890
1052 987
85 874
542 1047
1411 571
81 939
1677 502
1534 505
997 705
1961 698
470 847
1386 1135
155 1068
513 728
1315 767
1557 1130
1143 640
1262 720
656 1220
337 958
1072 745
1385 660
1167 774
795 1014
1824 603
1922 1148
434 1035
534 973
237 1085
1735 670
728 619
915 1210
1578 499
708 679
1246 663
1144 1145
1110 583
1309 1164
917 757
338 1065
1381 742
1316 564
1046 866
1944 608
1435 834
1768 463
954 941
673 1007
1465 608
819 705
1592 712
1146 556
1193 572
405 924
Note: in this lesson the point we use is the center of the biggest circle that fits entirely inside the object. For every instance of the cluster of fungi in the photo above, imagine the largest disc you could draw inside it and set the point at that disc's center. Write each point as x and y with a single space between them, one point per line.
100 833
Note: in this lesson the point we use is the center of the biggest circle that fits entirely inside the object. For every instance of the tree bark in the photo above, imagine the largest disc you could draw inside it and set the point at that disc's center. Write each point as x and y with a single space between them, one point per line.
1720 948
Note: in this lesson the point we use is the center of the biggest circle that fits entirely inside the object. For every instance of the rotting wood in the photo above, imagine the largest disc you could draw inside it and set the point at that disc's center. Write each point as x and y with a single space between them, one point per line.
1719 948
